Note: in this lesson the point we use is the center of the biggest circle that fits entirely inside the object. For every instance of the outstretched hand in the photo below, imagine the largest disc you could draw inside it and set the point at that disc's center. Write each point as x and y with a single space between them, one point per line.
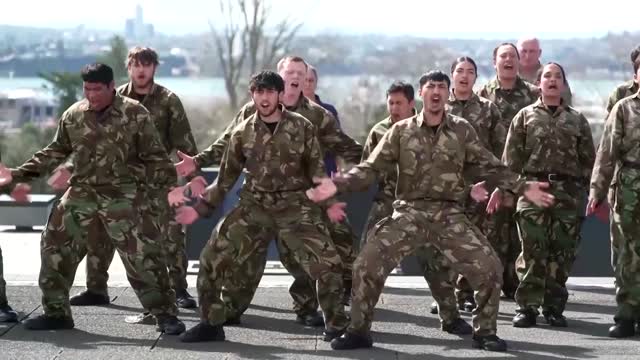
186 215
21 192
336 212
197 185
479 192
537 195
5 175
186 166
325 189
176 196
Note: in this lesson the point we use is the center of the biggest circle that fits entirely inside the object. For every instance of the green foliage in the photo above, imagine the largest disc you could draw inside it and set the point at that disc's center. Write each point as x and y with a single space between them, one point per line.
116 58
66 86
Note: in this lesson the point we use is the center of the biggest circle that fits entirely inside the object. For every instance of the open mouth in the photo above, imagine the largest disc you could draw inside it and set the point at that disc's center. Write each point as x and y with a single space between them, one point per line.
295 84
508 67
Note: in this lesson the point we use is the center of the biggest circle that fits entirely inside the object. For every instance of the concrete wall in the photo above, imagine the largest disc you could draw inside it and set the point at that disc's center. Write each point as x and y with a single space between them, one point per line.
593 256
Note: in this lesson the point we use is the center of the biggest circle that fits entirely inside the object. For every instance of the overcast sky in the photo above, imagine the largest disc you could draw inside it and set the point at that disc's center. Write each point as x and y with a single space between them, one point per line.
461 18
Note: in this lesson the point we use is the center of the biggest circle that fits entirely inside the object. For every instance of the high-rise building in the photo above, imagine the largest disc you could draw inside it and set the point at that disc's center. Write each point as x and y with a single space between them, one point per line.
135 28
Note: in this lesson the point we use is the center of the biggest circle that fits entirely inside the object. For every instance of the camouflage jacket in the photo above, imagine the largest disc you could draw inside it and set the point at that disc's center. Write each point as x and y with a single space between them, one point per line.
509 102
284 162
430 166
103 147
619 146
540 143
331 137
387 185
168 116
622 91
485 118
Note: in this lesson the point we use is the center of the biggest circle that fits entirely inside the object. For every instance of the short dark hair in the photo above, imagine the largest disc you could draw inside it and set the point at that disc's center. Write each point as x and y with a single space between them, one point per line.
402 87
636 65
495 50
462 59
97 73
142 55
634 54
266 80
434 75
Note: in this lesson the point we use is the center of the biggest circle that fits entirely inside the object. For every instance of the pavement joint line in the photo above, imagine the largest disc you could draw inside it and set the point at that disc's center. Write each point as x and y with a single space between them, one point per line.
57 356
155 343
26 316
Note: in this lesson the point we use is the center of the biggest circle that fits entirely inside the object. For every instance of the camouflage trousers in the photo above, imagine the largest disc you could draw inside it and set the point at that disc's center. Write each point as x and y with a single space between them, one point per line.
624 198
3 284
502 233
303 289
243 237
478 216
436 268
443 226
157 223
550 239
85 217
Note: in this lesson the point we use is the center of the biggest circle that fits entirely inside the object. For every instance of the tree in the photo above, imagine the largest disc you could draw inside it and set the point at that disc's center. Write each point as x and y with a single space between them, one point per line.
66 86
244 49
116 58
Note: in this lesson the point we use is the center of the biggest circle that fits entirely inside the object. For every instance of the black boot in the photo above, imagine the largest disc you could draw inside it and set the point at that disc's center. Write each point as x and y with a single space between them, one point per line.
525 318
457 327
468 305
88 298
622 329
185 300
555 319
203 332
45 322
7 314
312 320
350 341
332 334
489 342
169 324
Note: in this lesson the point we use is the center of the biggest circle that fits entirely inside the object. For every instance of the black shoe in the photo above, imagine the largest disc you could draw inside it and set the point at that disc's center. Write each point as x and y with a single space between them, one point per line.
233 321
203 332
622 329
489 342
45 322
8 315
525 319
169 324
434 308
350 341
638 327
457 327
313 320
185 300
468 305
557 320
88 298
332 334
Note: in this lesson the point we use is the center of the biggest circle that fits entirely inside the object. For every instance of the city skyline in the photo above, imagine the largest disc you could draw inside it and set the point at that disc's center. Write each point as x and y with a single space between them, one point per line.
443 20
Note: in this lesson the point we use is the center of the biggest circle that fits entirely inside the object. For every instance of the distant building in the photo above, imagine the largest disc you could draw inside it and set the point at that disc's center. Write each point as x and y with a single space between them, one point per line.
135 28
21 106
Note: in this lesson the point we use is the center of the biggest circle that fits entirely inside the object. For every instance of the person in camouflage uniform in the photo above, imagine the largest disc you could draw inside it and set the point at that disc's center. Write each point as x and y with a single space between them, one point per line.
510 94
485 118
530 67
437 273
106 136
280 154
173 127
549 141
430 151
236 294
617 170
7 314
626 89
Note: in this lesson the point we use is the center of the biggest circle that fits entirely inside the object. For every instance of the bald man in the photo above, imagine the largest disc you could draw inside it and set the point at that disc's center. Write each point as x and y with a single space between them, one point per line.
530 66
